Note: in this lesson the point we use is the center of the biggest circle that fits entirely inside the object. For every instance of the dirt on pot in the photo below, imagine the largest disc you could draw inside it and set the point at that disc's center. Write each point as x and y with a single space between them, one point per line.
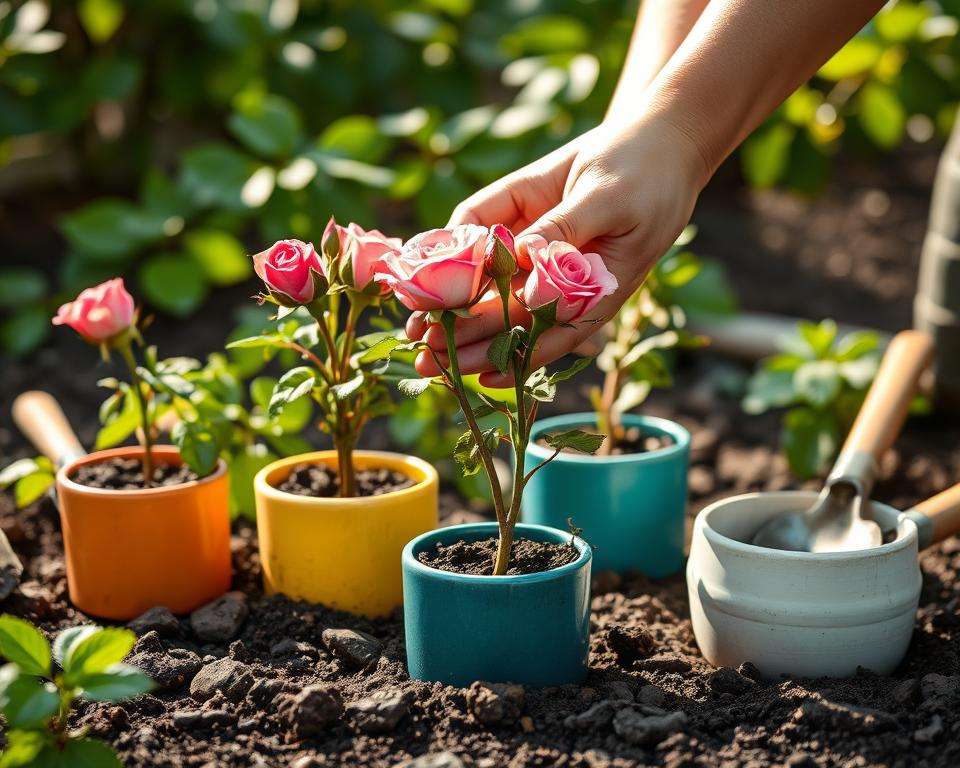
321 481
475 558
120 474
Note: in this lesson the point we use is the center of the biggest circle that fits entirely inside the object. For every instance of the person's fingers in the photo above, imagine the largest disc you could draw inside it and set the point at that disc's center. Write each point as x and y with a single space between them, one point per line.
577 219
417 325
486 321
554 344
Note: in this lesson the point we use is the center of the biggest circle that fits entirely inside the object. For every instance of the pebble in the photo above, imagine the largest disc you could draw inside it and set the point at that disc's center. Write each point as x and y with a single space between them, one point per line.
493 703
313 710
820 713
169 670
727 680
433 760
618 691
381 712
665 662
930 733
646 729
651 696
220 620
186 718
358 649
290 647
264 691
630 644
229 677
159 619
597 716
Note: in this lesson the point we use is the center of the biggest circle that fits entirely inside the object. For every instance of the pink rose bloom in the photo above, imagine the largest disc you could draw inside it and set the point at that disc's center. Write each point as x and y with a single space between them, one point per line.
362 251
577 281
99 313
438 269
288 268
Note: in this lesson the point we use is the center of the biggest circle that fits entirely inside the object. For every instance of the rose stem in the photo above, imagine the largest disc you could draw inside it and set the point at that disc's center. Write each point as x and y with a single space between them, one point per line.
127 353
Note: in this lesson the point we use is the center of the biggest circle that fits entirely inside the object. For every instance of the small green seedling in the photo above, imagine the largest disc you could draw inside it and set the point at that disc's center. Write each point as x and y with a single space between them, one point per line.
38 687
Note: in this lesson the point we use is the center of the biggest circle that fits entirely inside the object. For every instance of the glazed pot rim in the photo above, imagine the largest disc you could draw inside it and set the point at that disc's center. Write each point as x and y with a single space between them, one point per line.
65 482
680 435
903 540
262 487
417 544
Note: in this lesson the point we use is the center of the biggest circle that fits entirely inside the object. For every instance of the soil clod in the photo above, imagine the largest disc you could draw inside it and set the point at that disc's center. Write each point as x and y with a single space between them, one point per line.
312 711
495 703
381 712
357 649
647 730
226 676
159 619
321 481
220 620
169 669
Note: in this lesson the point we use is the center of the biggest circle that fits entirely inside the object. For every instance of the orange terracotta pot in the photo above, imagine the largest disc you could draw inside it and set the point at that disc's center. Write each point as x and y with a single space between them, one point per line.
128 551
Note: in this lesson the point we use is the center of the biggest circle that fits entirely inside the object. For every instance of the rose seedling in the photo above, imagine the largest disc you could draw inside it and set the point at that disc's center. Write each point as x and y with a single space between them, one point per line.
343 373
38 688
442 273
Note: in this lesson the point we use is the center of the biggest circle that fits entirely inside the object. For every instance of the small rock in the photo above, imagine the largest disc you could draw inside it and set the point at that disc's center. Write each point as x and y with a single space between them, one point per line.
666 663
159 619
905 692
434 760
264 691
229 677
186 718
358 649
930 733
651 696
220 621
313 710
727 680
646 729
216 717
381 712
618 691
169 670
288 647
630 644
492 703
597 716
819 713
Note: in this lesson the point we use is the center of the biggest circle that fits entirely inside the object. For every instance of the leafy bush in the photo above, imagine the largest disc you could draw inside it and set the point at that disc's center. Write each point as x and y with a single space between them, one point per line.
38 688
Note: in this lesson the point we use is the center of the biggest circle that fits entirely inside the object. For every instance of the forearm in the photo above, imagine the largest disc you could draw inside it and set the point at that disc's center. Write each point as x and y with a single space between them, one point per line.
741 60
661 27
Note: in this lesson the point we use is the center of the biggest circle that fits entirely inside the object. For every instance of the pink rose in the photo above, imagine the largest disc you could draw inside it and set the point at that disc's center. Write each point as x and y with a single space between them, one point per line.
577 281
500 255
99 313
438 269
361 254
290 268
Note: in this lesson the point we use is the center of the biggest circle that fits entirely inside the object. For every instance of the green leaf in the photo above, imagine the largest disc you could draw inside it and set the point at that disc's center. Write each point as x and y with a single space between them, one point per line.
95 652
25 331
30 488
221 256
857 344
348 388
22 644
26 701
809 439
100 18
414 387
268 125
356 137
118 681
632 394
163 382
766 154
380 350
769 389
68 639
859 373
120 425
467 453
882 115
679 269
255 342
88 753
900 22
540 387
293 385
441 193
544 33
173 283
21 285
261 390
111 229
576 440
501 351
213 175
578 365
19 469
295 417
819 337
856 57
244 465
198 446
25 748
818 382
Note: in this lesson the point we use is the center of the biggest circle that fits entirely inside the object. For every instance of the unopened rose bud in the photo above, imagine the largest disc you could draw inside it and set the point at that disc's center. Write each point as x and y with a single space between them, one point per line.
500 255
330 246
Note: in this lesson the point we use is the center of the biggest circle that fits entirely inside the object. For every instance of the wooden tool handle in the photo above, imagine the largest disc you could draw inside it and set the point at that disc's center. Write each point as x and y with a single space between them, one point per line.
41 419
885 408
943 512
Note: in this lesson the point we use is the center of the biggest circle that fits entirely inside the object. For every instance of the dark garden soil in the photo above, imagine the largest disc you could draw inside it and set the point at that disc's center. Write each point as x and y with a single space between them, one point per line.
300 685
476 557
119 474
321 481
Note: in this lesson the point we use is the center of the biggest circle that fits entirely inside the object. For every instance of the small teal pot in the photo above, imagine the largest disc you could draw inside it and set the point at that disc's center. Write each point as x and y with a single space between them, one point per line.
532 629
631 508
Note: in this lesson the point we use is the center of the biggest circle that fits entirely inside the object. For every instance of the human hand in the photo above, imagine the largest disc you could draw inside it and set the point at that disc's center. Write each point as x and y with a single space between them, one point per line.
623 192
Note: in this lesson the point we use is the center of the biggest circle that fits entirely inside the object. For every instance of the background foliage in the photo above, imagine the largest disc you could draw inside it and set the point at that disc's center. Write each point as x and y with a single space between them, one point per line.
192 128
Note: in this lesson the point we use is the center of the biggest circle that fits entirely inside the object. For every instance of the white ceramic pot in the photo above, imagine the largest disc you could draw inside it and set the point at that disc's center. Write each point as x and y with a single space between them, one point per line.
799 613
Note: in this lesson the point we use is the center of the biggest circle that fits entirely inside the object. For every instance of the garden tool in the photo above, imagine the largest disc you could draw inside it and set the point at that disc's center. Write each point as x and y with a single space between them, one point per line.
42 421
841 520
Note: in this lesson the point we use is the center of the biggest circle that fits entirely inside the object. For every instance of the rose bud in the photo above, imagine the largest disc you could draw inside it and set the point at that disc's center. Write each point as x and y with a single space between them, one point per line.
100 313
292 272
331 245
362 252
500 255
563 276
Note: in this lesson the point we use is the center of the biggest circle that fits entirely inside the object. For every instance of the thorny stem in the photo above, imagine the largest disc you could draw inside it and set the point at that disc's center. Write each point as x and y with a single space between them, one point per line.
136 385
607 421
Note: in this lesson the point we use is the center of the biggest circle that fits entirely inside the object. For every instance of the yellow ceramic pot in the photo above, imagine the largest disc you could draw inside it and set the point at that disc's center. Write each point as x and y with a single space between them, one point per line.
344 553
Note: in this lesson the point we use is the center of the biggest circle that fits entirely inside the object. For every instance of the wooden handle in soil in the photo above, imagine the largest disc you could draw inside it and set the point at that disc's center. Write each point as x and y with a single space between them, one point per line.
885 407
41 419
943 512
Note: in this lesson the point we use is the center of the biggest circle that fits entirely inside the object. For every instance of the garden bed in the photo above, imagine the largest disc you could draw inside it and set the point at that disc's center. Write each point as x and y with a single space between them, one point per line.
264 681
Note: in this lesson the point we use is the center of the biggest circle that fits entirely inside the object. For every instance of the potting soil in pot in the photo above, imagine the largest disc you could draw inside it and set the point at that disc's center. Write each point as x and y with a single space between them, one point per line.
476 557
634 441
322 481
120 474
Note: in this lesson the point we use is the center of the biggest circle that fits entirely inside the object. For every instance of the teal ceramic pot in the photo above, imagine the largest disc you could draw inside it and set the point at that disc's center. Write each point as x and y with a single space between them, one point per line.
631 508
532 629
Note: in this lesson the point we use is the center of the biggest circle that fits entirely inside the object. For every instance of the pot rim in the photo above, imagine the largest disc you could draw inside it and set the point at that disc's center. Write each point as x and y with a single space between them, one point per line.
679 434
262 487
410 562
752 550
64 481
